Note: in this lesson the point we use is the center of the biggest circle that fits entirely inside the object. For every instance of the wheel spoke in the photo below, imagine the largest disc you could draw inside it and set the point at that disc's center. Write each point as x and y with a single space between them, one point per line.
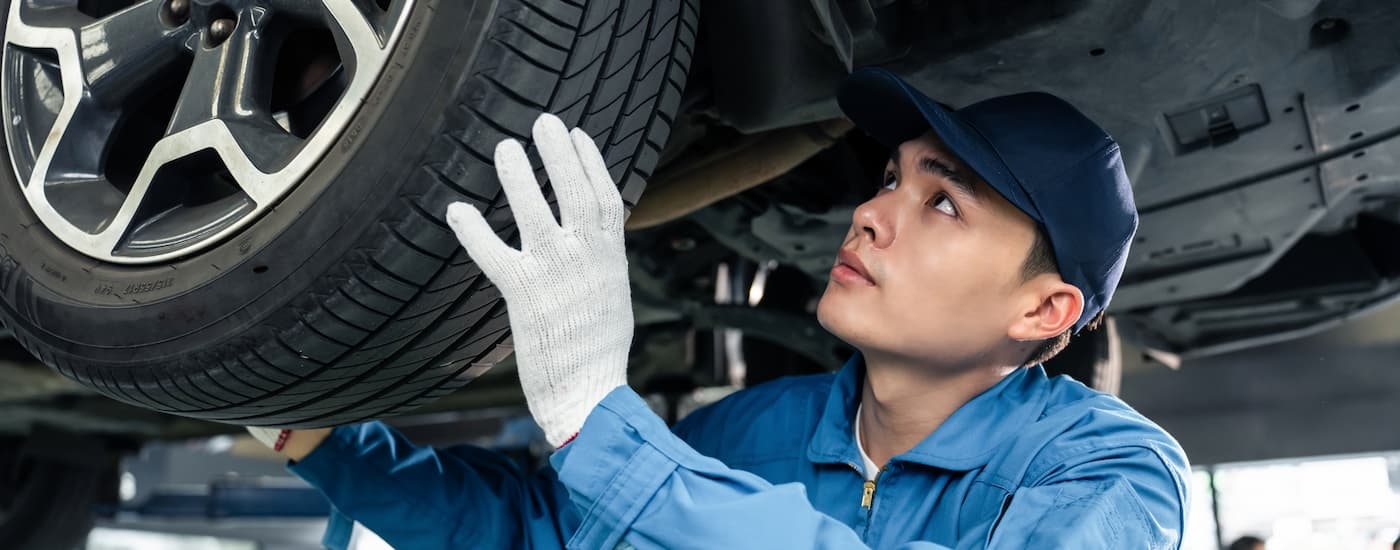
224 82
75 163
120 225
127 52
151 195
353 23
30 18
231 84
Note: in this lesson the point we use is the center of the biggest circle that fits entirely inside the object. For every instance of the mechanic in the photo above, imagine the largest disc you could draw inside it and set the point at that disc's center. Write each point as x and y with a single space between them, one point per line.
997 231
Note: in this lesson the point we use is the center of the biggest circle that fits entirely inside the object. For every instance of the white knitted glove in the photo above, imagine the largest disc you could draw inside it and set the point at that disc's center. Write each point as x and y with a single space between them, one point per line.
566 290
268 436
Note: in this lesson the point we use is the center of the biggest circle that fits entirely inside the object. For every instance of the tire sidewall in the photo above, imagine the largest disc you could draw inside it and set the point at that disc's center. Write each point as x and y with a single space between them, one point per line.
49 291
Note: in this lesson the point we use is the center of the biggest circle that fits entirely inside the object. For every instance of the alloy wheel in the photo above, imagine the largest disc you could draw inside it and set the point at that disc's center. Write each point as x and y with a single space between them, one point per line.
143 131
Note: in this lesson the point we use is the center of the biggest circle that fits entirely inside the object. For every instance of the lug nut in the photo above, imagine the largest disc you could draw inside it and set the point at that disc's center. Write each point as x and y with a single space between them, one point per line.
177 12
220 30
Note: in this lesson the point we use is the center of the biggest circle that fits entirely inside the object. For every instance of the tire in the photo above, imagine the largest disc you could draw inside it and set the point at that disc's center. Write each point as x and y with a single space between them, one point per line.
45 504
352 299
1094 357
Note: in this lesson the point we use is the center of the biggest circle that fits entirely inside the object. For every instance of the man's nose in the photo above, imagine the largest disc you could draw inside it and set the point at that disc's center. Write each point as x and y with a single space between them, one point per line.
874 220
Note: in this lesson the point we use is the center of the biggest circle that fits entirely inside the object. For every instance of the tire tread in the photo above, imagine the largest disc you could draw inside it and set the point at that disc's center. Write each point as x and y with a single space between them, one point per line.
406 316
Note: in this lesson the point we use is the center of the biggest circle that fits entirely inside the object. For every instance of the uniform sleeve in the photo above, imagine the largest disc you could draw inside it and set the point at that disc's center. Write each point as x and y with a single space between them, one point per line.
1121 493
422 497
634 481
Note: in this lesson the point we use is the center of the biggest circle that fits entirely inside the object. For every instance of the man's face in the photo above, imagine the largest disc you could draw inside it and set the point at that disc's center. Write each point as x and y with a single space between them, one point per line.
941 255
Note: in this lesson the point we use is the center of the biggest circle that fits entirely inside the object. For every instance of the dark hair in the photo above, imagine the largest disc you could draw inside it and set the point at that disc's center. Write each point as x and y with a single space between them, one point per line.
1040 260
1247 542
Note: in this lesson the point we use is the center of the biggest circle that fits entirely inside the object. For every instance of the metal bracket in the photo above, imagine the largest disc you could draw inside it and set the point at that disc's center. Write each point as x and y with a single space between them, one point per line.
1218 120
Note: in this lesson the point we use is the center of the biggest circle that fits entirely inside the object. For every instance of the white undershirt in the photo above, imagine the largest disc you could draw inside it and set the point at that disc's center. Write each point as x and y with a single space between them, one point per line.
871 469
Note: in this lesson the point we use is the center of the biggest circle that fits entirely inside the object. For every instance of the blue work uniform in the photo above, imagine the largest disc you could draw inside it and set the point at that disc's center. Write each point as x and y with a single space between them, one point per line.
1033 462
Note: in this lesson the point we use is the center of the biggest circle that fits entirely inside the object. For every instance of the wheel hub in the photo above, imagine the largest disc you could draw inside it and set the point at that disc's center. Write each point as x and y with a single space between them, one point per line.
151 132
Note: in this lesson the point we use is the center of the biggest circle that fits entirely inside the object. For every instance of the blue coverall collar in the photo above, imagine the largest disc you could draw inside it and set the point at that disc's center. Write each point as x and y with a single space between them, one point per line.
966 441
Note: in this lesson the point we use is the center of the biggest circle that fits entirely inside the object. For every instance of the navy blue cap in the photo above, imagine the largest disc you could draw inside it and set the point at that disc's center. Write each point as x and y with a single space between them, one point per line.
1038 152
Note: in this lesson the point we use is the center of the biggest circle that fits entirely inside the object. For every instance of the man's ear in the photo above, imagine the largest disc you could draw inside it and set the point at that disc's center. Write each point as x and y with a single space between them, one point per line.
1051 306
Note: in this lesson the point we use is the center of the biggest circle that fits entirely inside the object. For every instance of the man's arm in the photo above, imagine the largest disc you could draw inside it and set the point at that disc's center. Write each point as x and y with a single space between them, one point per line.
1086 513
301 442
421 497
635 481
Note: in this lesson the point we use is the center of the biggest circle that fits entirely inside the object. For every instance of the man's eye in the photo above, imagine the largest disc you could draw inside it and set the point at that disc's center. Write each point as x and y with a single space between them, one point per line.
890 181
943 203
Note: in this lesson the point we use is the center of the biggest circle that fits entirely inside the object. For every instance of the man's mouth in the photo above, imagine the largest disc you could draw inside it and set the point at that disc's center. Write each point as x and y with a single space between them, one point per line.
850 270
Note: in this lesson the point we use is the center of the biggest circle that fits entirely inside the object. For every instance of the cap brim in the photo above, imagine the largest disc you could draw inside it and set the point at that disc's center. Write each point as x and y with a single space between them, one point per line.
892 112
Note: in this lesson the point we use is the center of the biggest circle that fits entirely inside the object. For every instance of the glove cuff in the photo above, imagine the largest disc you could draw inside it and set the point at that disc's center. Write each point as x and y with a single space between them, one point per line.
562 419
274 438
